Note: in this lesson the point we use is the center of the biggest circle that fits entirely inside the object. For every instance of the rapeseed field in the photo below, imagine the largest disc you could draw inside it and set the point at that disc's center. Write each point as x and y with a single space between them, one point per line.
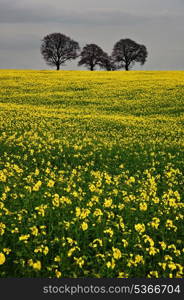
91 174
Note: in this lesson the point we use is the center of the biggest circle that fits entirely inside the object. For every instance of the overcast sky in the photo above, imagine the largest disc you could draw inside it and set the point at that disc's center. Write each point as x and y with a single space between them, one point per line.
158 24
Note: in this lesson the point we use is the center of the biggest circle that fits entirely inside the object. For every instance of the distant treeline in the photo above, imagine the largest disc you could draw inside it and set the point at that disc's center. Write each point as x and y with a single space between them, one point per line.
57 49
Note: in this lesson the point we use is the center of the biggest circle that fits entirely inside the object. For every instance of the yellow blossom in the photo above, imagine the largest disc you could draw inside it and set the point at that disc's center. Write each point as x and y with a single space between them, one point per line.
79 261
140 228
111 264
34 230
143 206
57 258
122 275
24 237
37 185
45 250
58 273
153 274
7 250
2 258
2 228
116 253
50 183
84 226
37 265
107 202
163 245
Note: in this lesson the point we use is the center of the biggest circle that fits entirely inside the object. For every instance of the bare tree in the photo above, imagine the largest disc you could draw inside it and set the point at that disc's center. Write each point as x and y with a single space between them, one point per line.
127 52
58 48
107 63
92 56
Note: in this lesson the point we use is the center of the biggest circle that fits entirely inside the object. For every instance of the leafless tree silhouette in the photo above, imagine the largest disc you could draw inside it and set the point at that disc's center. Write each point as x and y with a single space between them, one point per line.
127 52
92 56
58 48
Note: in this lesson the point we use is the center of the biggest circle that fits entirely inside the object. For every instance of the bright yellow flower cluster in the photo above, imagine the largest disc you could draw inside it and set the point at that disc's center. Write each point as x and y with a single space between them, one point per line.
91 174
2 258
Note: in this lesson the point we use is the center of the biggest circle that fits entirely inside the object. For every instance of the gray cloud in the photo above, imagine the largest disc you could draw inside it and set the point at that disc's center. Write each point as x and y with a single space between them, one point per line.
157 24
17 13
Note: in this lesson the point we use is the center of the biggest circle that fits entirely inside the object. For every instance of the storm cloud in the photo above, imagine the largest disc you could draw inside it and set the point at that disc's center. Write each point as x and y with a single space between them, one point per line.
157 24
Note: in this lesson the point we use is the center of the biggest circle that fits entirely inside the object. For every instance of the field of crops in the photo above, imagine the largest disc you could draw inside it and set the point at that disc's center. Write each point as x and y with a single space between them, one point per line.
91 174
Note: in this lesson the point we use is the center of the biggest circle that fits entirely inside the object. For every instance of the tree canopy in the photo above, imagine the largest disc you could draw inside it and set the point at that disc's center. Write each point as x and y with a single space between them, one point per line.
58 48
92 55
126 53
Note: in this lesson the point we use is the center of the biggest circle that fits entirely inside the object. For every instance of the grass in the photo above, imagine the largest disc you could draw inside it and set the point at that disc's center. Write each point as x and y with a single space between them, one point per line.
91 174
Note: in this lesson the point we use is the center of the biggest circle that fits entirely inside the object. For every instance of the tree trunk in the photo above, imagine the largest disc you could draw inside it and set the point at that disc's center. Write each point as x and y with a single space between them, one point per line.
127 67
91 67
58 67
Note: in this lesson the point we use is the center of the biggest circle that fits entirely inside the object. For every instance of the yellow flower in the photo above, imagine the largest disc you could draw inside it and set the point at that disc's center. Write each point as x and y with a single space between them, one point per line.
56 200
79 261
172 266
15 230
95 199
1 205
153 274
34 230
77 211
152 250
122 275
140 227
2 176
37 265
97 212
84 226
57 258
96 243
163 265
70 251
155 223
37 172
65 200
163 245
2 228
121 206
92 187
50 183
156 200
100 255
2 258
58 273
37 186
24 237
107 202
6 250
139 259
109 231
167 257
125 243
38 249
111 264
70 241
143 206
169 225
149 240
45 250
41 209
116 253
84 213
122 225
